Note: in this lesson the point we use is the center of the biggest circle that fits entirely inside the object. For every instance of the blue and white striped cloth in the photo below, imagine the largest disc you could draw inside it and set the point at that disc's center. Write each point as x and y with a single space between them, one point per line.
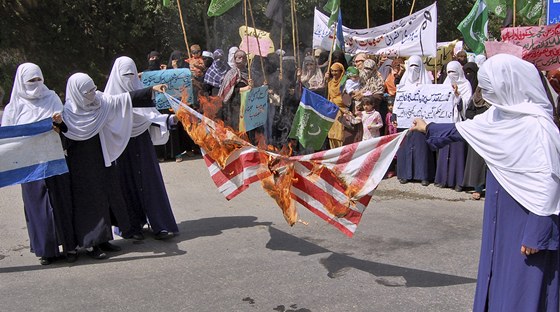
30 152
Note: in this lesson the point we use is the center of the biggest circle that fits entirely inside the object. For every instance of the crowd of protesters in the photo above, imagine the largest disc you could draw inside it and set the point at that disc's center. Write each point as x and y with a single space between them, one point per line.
114 184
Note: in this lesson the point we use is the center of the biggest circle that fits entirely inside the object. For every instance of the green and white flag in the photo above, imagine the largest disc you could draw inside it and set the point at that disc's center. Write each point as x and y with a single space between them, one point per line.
528 11
313 120
475 27
219 7
332 7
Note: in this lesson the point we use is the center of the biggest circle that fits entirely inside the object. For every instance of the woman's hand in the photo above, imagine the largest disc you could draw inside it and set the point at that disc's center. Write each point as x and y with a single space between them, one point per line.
528 251
419 125
159 88
456 89
57 118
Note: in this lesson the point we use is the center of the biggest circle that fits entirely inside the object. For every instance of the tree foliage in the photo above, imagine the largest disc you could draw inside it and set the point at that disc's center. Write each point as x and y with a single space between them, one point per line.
64 37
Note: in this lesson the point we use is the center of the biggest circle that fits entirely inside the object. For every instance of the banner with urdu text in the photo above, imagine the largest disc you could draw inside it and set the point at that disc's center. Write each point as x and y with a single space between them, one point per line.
431 102
411 35
541 44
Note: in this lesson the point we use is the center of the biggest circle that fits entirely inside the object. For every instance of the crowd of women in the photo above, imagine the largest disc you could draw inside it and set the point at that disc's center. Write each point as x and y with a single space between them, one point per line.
114 178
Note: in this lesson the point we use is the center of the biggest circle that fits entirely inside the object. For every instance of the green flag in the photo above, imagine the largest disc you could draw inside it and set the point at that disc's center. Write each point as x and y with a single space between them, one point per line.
332 7
527 11
219 7
166 3
313 120
475 27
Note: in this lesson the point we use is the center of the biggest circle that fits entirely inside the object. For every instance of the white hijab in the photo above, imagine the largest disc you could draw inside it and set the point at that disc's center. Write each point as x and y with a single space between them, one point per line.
231 56
87 114
415 73
456 75
516 136
30 101
124 78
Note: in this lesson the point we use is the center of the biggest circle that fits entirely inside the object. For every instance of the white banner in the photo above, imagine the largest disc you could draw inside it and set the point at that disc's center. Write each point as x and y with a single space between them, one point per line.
413 35
431 102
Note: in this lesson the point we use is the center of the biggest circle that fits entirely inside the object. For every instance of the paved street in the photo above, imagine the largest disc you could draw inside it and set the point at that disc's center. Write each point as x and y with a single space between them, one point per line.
416 249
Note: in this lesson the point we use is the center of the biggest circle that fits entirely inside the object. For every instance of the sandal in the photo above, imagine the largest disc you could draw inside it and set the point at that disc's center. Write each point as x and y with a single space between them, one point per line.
475 196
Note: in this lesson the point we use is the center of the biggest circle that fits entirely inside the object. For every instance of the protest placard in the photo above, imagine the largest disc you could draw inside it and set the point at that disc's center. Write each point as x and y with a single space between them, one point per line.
433 103
254 108
444 55
252 39
411 35
178 83
540 44
496 47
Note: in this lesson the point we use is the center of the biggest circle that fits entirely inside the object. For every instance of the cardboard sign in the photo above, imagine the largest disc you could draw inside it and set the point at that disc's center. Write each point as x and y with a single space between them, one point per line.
254 108
431 102
252 38
178 82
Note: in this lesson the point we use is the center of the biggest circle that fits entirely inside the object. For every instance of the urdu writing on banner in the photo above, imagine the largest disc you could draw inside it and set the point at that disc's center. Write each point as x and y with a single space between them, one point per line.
431 102
540 44
254 108
178 83
411 35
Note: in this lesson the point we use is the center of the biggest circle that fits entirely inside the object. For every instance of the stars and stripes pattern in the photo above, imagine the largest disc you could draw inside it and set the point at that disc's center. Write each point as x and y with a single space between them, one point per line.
326 182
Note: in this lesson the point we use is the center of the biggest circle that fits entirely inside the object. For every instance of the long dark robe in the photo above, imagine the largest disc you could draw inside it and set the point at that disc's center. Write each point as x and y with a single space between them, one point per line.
47 207
508 280
450 167
415 159
96 192
143 186
475 166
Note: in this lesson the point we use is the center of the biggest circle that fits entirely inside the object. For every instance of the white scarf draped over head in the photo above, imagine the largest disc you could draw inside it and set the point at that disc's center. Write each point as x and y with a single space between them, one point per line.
30 101
88 112
516 136
124 78
415 73
456 75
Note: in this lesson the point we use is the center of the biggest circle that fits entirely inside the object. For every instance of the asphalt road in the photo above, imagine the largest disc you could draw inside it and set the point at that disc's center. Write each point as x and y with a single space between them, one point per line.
416 249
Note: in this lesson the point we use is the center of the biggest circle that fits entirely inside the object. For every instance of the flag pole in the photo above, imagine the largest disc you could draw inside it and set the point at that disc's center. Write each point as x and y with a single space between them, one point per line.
247 38
184 31
393 11
435 69
297 35
367 12
258 41
293 30
412 7
514 10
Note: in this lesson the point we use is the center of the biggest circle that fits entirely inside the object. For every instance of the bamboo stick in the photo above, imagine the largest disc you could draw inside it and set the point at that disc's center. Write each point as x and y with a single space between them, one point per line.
412 7
258 41
183 26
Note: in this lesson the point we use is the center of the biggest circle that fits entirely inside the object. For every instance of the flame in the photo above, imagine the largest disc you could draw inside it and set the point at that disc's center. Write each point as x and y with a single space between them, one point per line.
278 171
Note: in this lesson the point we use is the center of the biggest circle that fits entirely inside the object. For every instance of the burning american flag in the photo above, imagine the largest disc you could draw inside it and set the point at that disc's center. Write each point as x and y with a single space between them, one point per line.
336 184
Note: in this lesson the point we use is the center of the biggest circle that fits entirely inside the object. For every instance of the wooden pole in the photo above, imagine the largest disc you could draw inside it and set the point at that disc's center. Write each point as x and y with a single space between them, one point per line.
247 37
258 41
412 7
514 11
281 51
435 69
184 31
393 11
297 36
293 30
367 13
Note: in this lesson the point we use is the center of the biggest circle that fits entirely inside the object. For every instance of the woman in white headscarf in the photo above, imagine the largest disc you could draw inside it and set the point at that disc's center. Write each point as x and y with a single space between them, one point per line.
415 159
450 167
47 203
516 136
415 74
138 166
99 127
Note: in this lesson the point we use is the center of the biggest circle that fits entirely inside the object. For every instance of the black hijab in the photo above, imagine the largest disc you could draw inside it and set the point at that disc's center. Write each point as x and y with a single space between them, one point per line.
471 73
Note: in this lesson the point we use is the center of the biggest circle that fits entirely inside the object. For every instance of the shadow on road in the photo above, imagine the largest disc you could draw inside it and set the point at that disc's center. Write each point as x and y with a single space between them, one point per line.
337 264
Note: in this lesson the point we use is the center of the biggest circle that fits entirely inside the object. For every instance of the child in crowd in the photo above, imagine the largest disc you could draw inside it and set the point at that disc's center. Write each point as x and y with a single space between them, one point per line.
391 128
370 117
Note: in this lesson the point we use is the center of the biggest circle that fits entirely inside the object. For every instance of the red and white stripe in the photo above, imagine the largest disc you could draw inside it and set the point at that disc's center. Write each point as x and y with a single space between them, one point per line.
359 167
354 171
